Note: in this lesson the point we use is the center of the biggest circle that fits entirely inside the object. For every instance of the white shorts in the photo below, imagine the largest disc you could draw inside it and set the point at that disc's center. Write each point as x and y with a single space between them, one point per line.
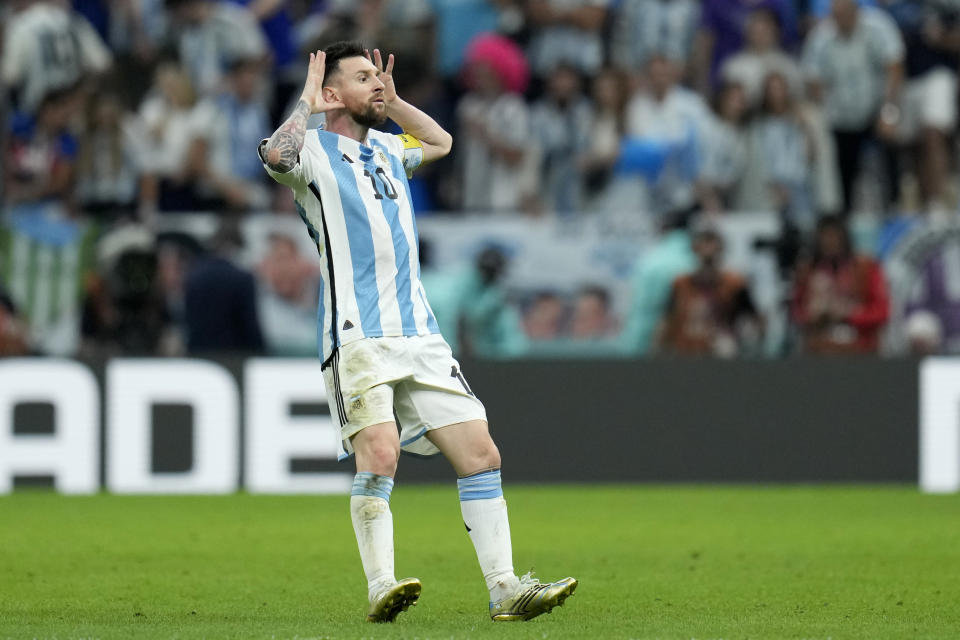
414 381
929 102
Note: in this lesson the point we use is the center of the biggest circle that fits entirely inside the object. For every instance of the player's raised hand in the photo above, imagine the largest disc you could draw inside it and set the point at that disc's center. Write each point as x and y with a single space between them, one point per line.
313 87
384 74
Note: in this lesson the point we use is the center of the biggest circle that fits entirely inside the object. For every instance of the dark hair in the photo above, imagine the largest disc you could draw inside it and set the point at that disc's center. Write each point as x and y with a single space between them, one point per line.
765 105
835 223
337 52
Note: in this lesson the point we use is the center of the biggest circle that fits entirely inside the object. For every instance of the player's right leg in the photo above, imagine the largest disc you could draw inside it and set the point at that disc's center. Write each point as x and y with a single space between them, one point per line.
377 450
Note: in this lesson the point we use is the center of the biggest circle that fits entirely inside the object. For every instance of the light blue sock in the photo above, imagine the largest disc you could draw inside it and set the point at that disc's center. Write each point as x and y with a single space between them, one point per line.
485 516
366 483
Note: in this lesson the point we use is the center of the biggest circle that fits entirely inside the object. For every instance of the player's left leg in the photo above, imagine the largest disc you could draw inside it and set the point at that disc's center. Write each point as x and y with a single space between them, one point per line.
470 449
476 459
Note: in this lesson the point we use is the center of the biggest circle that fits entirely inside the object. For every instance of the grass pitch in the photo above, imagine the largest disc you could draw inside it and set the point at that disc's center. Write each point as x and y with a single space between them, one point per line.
688 562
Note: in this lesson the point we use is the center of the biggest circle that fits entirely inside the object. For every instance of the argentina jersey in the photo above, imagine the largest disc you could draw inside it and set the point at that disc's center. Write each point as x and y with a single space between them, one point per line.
355 201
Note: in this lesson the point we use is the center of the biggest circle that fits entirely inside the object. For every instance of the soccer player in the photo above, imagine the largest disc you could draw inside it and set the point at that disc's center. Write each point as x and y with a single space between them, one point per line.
383 355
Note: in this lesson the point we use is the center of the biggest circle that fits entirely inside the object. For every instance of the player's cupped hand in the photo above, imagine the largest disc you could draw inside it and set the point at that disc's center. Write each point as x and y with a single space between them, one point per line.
384 74
313 87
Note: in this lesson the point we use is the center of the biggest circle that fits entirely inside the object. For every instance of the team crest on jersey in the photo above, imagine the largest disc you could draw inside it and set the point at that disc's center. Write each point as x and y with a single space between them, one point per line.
382 158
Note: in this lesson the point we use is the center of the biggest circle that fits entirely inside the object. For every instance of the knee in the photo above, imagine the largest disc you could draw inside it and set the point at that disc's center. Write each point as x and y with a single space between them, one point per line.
379 456
485 455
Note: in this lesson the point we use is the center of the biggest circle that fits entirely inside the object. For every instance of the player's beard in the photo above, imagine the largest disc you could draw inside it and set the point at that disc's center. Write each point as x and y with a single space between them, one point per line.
369 116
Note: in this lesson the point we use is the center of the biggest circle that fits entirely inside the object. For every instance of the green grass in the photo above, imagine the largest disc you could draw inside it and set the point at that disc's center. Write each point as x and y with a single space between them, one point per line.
679 562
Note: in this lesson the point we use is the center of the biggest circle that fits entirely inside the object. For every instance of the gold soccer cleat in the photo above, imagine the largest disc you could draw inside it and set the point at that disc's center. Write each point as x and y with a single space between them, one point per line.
532 599
394 600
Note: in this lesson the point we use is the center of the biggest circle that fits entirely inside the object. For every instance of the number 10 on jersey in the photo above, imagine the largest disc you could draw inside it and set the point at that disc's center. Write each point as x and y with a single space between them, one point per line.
384 181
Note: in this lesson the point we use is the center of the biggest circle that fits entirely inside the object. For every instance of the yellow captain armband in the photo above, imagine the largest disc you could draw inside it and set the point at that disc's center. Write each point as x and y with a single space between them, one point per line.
412 152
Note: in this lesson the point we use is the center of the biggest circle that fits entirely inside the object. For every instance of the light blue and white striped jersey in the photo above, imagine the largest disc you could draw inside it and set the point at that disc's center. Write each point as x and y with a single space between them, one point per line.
355 201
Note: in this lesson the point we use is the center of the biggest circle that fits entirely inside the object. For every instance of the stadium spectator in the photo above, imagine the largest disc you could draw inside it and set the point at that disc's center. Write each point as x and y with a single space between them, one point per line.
931 32
287 297
471 305
545 317
497 160
722 33
220 299
591 318
853 62
287 274
48 48
725 150
240 123
14 337
560 125
108 171
651 280
566 31
176 162
785 150
761 55
645 28
41 155
211 36
491 326
710 311
123 309
175 253
604 188
664 111
840 301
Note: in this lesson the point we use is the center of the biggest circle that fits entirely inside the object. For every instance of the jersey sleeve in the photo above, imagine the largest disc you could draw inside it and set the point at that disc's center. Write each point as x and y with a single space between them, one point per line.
411 150
293 178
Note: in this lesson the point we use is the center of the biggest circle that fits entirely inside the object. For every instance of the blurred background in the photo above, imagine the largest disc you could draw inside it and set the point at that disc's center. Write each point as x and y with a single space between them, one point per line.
630 177
748 180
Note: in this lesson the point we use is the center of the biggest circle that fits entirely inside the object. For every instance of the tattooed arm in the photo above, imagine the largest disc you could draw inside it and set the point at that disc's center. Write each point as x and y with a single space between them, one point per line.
280 152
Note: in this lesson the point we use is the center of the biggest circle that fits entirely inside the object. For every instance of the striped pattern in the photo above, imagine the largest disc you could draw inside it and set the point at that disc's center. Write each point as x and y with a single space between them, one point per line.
482 486
355 201
366 483
43 267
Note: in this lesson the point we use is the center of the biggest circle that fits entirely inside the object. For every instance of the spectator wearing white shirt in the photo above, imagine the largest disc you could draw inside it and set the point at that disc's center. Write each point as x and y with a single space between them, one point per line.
497 155
853 61
48 48
663 111
175 161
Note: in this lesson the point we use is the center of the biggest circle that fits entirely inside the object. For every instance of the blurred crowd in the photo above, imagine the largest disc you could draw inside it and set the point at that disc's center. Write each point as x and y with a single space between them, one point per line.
119 113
